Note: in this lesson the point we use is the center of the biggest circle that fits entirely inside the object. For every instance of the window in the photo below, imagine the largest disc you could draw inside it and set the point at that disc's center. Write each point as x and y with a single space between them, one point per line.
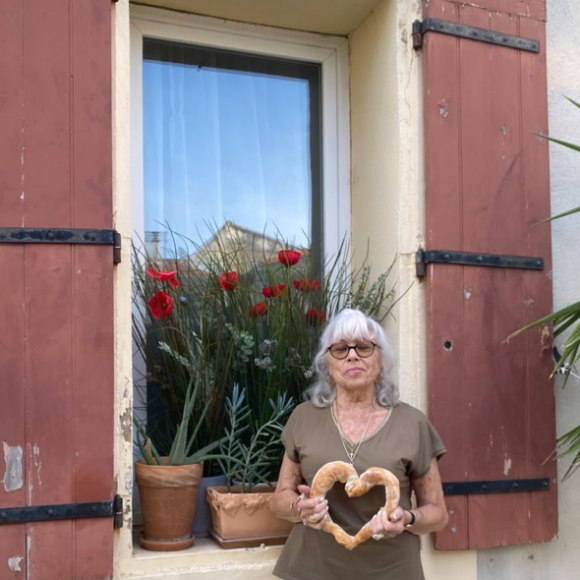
236 123
230 137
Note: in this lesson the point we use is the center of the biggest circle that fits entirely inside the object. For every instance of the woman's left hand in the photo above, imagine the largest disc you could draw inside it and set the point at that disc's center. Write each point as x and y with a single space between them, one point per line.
388 526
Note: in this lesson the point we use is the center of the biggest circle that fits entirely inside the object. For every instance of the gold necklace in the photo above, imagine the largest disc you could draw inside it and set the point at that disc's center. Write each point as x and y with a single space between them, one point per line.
353 451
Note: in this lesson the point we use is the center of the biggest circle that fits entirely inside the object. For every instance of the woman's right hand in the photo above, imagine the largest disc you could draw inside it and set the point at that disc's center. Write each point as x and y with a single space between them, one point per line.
313 511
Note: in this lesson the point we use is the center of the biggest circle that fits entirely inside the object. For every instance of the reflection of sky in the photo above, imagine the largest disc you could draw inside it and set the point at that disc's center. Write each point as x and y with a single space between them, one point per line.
225 145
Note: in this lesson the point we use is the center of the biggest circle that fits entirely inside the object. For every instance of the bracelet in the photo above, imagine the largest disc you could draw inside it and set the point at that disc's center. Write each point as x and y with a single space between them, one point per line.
296 515
412 522
292 514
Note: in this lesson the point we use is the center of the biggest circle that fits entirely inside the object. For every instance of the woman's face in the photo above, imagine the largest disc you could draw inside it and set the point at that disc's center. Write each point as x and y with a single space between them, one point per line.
354 372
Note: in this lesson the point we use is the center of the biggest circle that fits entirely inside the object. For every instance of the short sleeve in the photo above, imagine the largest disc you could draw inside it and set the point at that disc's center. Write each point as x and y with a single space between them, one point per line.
430 446
289 437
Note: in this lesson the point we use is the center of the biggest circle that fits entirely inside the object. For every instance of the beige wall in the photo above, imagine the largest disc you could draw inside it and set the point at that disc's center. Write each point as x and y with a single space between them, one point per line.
560 558
388 200
386 167
122 219
387 209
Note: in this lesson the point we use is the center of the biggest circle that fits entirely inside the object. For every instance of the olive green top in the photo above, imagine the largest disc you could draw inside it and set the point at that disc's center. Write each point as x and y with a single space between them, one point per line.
404 444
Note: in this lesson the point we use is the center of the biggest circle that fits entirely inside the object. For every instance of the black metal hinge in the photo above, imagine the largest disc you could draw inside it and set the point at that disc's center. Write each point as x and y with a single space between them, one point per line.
424 257
63 236
498 486
117 512
471 33
65 511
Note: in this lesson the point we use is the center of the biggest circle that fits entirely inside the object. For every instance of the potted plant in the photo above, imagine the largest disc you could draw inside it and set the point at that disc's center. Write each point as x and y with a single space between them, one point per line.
241 515
168 485
254 306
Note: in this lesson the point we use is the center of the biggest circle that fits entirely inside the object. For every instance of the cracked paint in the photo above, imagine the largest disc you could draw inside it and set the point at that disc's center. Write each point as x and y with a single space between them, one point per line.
13 474
14 563
126 421
37 462
507 465
129 482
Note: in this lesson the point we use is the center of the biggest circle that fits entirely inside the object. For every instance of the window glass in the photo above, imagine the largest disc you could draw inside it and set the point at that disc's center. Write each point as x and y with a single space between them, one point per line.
230 137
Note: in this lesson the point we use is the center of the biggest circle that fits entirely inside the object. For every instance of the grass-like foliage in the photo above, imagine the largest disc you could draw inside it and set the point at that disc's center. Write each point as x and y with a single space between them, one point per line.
566 323
242 309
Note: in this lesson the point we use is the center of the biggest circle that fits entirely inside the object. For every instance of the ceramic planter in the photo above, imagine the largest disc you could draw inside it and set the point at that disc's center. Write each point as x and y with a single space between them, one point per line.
244 519
168 495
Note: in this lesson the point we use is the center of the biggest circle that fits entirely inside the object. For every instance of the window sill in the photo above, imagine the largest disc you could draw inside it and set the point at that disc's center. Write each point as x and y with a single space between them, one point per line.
202 559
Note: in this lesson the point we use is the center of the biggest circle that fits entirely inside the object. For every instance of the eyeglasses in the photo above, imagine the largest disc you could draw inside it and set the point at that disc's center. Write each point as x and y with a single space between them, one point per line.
340 350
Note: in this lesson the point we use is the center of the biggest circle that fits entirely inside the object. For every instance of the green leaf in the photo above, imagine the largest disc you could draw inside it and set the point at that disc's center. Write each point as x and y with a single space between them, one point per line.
572 101
560 142
560 215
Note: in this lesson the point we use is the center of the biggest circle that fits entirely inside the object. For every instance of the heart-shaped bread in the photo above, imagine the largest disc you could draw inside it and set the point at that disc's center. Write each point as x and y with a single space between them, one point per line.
354 486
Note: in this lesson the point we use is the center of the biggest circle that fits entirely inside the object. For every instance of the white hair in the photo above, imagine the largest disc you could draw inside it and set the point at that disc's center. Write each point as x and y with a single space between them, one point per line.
352 325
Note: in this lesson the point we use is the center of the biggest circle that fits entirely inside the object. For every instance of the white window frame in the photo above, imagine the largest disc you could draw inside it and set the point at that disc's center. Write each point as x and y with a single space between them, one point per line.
331 52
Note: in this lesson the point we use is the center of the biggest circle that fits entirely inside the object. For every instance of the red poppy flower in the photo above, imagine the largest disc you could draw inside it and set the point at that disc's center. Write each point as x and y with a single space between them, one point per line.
164 277
258 309
228 280
161 304
274 291
306 285
288 257
315 316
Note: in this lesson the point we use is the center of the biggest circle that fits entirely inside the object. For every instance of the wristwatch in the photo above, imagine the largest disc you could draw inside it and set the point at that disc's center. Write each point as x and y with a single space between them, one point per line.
412 522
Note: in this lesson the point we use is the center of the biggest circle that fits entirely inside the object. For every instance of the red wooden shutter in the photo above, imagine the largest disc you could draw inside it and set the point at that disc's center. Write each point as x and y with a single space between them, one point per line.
56 305
487 185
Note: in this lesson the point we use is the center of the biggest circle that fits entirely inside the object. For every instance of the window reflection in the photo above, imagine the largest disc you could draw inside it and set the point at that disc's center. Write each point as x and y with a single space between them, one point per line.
230 138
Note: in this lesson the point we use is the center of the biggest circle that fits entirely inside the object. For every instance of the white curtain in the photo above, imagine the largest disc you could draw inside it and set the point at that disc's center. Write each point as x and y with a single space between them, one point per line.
225 145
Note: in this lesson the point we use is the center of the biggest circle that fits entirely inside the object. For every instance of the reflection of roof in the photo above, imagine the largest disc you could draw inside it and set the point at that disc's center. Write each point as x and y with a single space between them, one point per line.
231 240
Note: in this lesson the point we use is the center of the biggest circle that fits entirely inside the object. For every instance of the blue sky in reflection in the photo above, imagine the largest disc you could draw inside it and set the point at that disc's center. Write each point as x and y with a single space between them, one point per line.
225 145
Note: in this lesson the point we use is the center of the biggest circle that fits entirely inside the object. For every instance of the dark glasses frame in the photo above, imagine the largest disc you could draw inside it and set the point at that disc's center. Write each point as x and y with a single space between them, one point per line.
355 347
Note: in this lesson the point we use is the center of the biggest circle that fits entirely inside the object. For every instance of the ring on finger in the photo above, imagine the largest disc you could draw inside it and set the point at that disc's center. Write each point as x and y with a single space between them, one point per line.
312 519
378 536
304 522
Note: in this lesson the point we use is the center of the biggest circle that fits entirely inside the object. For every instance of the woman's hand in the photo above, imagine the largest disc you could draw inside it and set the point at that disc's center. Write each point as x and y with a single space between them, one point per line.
383 526
313 511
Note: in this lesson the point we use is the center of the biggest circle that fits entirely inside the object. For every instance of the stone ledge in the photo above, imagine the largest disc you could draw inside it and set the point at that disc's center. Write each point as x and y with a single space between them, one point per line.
204 561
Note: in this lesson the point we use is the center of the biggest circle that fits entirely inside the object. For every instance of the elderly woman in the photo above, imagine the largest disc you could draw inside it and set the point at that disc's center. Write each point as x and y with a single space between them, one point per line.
354 415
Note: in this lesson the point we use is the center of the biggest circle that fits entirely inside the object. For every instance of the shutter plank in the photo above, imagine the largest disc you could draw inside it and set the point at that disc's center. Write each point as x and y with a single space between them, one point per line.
49 406
92 142
444 206
538 289
494 370
12 395
93 380
11 112
46 108
12 363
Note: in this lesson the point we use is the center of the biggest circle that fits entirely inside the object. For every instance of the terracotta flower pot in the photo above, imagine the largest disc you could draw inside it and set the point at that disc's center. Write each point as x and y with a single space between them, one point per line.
168 494
244 519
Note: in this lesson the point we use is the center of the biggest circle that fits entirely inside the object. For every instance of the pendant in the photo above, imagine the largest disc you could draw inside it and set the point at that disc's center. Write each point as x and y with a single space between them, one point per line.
351 457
